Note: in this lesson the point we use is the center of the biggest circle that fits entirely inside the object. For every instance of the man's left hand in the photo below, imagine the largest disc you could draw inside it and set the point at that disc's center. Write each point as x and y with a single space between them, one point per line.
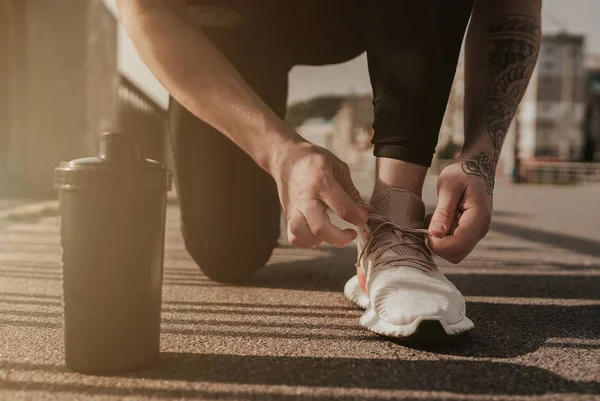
463 214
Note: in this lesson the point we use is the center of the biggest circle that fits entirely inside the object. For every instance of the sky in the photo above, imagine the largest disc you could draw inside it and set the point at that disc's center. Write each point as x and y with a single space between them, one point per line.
572 16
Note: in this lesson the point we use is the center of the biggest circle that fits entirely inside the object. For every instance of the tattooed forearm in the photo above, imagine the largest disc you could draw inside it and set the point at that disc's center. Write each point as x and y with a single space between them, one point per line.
484 166
513 42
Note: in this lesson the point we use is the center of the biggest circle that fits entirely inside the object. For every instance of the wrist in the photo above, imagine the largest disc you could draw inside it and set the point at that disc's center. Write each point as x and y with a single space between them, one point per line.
471 152
479 147
476 144
277 150
481 162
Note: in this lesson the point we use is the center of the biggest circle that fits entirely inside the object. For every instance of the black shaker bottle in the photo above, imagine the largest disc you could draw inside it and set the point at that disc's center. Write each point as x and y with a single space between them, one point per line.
112 211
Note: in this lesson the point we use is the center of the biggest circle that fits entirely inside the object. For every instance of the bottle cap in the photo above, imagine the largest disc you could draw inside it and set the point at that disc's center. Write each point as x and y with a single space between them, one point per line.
120 155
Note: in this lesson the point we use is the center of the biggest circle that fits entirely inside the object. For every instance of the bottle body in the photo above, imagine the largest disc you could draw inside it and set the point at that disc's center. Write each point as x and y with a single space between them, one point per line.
113 211
113 245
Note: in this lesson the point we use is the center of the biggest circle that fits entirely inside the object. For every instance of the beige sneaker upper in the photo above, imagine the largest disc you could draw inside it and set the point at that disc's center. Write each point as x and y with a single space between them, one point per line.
402 279
395 233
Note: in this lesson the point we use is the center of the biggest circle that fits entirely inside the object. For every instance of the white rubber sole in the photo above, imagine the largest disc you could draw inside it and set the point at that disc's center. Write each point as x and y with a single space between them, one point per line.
371 321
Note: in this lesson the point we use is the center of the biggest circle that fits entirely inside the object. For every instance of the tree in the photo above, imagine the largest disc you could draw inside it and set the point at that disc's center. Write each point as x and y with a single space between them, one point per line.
318 107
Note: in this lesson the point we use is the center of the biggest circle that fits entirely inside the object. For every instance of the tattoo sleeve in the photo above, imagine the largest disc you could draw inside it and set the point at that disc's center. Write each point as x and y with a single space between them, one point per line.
513 44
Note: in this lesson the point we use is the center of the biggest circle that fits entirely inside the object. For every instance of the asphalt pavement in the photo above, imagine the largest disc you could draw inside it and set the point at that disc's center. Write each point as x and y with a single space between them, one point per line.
532 288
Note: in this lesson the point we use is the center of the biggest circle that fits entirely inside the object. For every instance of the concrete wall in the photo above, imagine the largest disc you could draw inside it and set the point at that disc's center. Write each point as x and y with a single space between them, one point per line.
12 27
64 86
54 86
5 86
102 76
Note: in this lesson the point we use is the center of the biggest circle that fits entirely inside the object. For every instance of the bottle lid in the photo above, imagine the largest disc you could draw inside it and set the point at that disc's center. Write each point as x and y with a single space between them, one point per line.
120 156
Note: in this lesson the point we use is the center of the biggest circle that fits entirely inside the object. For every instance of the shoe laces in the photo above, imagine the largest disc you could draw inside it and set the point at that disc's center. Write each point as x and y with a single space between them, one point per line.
413 238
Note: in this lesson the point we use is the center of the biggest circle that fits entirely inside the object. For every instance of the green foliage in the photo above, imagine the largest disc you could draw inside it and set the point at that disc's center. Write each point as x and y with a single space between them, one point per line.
318 107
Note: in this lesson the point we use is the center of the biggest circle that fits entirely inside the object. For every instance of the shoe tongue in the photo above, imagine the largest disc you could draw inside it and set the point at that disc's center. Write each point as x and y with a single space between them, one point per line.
400 206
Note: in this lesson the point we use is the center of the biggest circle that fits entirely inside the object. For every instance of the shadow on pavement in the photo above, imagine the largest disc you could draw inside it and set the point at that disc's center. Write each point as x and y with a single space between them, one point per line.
23 295
329 273
503 330
158 393
484 377
508 213
360 373
565 241
506 331
516 285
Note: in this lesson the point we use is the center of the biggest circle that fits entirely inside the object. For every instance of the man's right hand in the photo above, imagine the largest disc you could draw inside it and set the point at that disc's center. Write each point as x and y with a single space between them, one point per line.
311 180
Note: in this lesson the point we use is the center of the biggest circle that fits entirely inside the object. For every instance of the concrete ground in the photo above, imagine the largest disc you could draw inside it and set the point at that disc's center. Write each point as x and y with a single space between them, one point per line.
10 203
532 287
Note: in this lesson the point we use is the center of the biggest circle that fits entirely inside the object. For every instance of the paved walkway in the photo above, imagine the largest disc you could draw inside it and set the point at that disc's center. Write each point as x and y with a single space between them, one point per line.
10 203
532 286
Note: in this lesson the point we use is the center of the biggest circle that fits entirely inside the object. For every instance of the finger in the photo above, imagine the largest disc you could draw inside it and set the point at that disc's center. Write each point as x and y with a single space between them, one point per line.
344 206
465 237
344 199
299 233
322 228
445 248
344 178
443 217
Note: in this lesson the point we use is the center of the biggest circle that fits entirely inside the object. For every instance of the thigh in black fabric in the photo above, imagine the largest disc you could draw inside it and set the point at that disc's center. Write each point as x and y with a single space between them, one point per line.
229 206
308 32
320 32
413 49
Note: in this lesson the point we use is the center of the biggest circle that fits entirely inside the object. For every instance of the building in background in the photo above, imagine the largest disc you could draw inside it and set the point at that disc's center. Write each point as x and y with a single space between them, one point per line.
561 101
558 118
549 124
550 121
591 132
353 130
348 133
319 131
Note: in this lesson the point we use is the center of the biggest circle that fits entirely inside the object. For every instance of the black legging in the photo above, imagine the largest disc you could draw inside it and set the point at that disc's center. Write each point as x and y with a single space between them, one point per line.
230 209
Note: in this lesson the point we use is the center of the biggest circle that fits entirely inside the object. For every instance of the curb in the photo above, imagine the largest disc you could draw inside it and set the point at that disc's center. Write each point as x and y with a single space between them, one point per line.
29 212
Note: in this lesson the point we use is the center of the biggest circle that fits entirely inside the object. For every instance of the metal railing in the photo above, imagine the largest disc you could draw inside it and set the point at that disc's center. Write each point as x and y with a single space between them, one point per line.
559 172
141 115
545 172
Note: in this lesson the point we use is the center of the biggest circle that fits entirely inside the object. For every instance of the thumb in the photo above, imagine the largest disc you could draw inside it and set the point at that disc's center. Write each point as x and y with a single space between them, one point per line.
344 178
443 217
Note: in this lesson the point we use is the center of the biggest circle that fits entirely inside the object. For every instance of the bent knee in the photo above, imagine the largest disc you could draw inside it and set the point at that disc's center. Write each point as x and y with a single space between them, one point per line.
229 260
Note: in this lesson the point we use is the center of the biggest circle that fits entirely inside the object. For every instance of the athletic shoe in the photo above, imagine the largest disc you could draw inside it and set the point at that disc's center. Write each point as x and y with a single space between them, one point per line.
397 281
